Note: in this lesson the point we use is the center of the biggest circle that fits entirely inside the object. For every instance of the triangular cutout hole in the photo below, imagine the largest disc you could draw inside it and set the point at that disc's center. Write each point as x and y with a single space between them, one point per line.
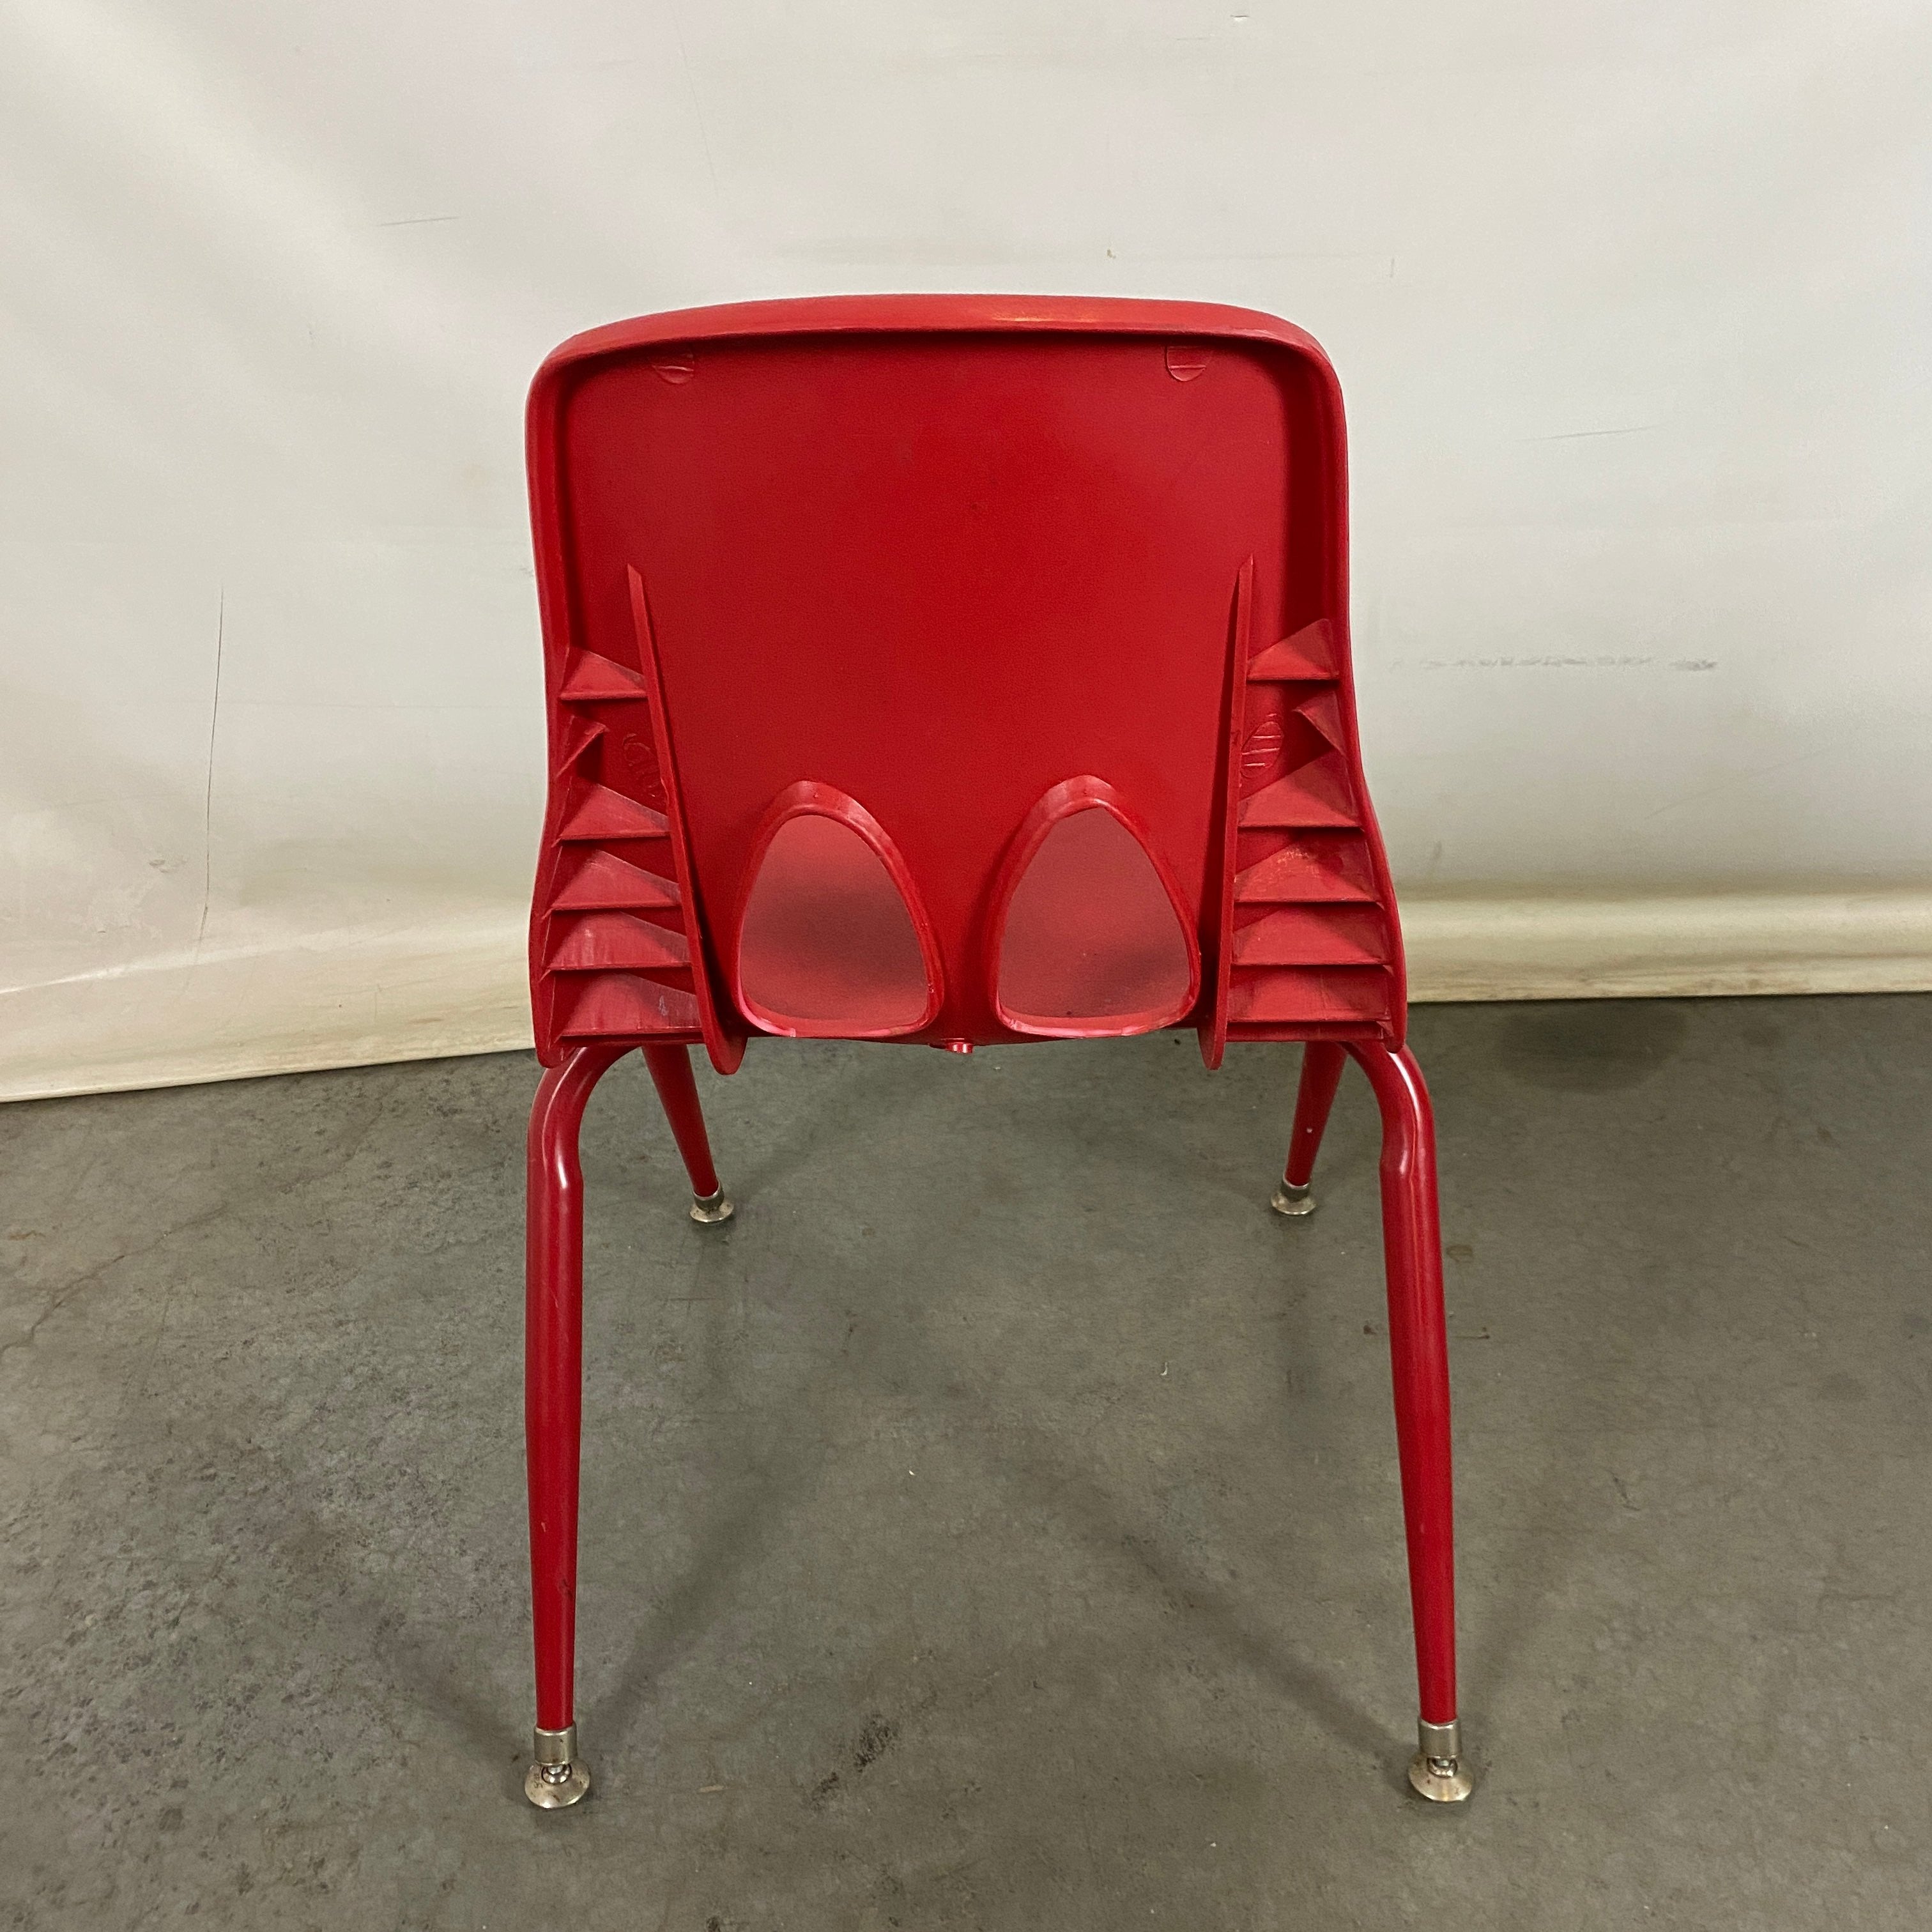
828 947
1092 943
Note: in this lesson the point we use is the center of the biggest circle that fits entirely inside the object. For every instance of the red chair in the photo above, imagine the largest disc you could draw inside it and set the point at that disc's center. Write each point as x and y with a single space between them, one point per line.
955 670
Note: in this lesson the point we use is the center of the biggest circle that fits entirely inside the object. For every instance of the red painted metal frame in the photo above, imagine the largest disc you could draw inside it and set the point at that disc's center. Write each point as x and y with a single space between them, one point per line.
554 1366
1321 1063
677 1091
553 1332
1419 1348
1243 931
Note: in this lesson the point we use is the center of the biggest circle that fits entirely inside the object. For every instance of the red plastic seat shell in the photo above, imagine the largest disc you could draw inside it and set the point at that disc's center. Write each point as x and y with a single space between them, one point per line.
940 555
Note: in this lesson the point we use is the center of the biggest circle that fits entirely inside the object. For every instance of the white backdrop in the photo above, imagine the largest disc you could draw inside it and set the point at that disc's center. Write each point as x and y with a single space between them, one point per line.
1630 300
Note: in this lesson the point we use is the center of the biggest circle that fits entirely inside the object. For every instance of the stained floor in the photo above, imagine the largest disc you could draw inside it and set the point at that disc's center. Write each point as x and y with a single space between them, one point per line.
996 1525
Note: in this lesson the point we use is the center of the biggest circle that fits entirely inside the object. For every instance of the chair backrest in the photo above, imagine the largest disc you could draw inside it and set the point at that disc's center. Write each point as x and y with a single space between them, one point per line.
953 670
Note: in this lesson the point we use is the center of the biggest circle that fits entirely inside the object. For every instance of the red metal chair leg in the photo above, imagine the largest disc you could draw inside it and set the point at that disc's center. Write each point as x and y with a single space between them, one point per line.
1321 1063
553 1407
670 1070
1418 1344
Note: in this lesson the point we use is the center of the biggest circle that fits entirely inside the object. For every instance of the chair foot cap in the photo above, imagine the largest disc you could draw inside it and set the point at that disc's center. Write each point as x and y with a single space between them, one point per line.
557 1776
1290 1199
1442 1780
711 1208
551 1793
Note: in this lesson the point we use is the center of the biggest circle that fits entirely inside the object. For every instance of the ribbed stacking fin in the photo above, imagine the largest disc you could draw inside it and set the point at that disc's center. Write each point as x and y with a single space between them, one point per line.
1309 653
603 1005
1323 709
1317 793
1291 996
604 882
1309 935
602 942
1309 943
581 739
1310 870
613 940
591 679
598 814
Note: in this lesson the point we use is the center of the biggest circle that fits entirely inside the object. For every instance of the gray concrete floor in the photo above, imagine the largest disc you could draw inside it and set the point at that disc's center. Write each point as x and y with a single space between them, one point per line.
996 1525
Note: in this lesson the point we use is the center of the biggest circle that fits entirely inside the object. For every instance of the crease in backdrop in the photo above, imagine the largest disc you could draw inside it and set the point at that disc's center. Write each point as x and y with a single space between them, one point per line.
1630 302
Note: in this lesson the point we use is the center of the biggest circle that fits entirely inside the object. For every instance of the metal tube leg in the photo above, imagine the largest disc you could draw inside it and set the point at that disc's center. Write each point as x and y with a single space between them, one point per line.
670 1070
553 1407
1321 1063
1418 1345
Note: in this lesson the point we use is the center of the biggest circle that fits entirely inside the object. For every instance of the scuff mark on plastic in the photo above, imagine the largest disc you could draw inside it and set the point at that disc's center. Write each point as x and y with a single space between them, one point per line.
1604 661
1573 435
207 789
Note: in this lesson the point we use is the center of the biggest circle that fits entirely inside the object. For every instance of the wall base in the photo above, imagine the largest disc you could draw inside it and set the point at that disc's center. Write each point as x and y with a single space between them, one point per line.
357 998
